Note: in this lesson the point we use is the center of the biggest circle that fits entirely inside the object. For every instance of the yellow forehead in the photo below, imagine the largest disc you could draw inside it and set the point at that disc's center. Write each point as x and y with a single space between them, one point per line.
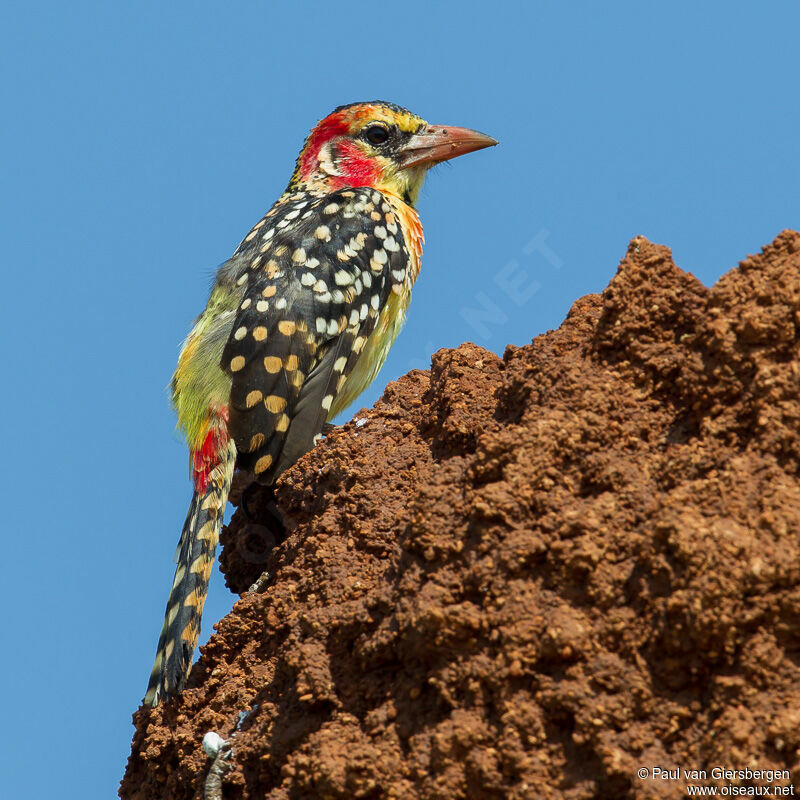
364 114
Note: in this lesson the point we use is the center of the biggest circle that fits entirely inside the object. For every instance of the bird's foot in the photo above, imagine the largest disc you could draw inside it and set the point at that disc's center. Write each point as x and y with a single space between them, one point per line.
260 583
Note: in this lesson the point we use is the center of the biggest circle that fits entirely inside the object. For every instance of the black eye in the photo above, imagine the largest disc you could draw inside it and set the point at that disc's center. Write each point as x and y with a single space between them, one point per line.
376 134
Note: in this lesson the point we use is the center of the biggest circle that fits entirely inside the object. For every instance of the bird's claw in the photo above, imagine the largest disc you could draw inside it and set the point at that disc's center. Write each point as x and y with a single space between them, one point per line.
261 583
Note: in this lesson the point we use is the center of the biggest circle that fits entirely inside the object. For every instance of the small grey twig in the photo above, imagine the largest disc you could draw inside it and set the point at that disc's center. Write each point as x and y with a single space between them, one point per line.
220 750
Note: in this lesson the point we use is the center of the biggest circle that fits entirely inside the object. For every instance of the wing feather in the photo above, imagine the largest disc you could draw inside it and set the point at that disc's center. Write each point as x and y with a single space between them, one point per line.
315 287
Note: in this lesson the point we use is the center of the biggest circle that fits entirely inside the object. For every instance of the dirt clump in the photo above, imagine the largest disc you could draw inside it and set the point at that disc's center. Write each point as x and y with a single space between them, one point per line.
528 577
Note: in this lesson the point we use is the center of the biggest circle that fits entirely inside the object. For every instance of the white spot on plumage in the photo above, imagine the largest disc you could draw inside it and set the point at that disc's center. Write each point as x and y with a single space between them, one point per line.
380 231
307 279
322 324
343 277
280 303
180 573
173 612
262 306
240 333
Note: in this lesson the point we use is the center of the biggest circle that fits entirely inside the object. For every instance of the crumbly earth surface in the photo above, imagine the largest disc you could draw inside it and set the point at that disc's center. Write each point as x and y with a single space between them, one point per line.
527 577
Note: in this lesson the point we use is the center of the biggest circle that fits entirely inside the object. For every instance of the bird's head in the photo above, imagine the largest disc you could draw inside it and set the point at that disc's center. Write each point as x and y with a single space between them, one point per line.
380 145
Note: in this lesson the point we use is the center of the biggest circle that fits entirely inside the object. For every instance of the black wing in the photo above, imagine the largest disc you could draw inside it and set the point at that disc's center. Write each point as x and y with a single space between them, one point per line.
320 273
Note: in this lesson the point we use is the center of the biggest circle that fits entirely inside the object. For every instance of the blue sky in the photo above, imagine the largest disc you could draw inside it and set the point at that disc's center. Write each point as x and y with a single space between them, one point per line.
139 145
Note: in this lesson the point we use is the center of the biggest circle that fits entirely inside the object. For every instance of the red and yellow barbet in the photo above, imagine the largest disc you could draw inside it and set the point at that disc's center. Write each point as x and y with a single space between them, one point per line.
298 324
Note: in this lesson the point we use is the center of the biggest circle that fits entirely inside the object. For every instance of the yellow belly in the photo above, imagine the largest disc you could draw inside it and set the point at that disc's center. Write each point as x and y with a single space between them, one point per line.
377 347
392 315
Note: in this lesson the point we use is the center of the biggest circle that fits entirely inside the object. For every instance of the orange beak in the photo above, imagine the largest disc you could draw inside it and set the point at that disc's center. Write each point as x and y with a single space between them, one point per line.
440 143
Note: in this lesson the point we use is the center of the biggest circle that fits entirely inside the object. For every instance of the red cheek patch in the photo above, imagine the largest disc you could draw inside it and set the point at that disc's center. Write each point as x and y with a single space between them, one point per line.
356 167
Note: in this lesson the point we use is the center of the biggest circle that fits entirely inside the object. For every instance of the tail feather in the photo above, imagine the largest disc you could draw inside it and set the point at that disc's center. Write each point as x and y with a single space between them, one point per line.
195 557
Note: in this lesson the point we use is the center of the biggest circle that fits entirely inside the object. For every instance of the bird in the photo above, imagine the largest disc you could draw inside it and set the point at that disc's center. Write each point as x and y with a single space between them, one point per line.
298 323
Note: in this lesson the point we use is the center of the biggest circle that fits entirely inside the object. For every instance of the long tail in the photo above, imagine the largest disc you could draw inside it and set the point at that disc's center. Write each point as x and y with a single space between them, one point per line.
195 557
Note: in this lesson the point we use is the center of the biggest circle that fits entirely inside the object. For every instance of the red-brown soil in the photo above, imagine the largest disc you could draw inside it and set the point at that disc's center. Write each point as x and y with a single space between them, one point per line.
528 577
